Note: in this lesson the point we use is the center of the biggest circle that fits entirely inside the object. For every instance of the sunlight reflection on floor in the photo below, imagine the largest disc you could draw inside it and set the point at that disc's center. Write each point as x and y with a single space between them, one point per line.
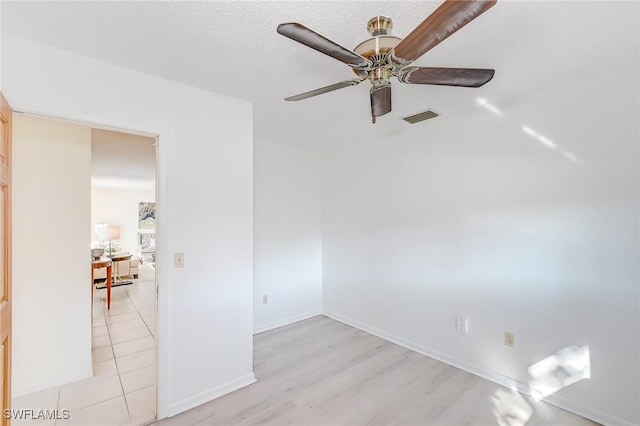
510 408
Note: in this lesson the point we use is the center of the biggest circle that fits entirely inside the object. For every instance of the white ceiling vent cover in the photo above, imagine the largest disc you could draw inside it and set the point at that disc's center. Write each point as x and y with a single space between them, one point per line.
421 116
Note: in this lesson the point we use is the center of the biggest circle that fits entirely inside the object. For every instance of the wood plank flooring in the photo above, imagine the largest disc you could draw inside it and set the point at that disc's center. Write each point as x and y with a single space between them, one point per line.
323 372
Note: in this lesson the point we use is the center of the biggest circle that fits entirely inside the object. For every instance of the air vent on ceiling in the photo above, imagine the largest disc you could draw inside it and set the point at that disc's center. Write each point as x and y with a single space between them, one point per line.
421 116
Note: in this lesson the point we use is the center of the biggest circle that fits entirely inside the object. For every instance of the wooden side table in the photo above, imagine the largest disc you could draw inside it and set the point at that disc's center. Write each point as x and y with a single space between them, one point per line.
103 262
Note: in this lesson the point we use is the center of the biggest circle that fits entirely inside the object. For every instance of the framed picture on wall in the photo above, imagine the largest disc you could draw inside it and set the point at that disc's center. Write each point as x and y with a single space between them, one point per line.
146 215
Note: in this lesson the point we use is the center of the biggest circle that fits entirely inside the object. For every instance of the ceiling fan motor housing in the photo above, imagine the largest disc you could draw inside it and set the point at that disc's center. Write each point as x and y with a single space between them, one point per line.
376 49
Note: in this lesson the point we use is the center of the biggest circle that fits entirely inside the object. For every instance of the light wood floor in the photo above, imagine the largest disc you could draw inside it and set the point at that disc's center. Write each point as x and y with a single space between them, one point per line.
323 372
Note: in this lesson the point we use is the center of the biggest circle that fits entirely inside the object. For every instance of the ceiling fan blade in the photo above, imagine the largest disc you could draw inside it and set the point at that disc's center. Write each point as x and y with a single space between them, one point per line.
465 77
325 89
444 21
310 38
380 101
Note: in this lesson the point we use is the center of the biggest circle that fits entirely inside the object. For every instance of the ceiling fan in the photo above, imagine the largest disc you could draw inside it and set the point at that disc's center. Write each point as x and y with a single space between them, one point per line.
384 56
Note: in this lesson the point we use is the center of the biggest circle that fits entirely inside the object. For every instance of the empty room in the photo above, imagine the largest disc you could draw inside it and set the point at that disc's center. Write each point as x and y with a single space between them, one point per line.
364 212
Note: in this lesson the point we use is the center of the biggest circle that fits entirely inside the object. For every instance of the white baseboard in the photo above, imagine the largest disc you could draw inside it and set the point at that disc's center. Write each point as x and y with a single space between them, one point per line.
283 322
210 394
558 401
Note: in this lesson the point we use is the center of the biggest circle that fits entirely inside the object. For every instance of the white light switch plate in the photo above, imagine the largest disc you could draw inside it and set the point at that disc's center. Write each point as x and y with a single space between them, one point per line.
178 260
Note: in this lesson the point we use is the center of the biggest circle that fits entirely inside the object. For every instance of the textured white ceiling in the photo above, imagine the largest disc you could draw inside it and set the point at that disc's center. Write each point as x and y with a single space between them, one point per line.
232 48
122 160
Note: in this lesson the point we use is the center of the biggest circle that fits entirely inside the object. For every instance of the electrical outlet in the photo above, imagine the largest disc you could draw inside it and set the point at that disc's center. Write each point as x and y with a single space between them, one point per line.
462 325
509 339
178 260
265 299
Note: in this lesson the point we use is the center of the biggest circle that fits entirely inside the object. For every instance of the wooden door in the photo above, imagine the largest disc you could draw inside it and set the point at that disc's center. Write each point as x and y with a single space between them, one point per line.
5 257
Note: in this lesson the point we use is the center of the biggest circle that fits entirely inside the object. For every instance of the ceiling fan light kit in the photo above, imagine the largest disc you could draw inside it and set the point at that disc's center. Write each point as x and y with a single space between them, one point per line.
384 56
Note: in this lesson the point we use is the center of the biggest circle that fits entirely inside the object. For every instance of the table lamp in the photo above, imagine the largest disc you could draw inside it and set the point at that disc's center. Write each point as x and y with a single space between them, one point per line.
109 233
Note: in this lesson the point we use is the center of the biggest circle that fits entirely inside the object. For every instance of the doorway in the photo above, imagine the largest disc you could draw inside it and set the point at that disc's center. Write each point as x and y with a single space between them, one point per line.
112 380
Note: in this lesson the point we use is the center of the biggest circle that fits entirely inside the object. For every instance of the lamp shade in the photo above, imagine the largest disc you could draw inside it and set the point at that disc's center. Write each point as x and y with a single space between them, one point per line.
97 226
109 233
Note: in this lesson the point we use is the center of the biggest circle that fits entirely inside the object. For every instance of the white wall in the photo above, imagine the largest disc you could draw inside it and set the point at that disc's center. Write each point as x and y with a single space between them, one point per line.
119 207
471 216
205 322
51 290
287 234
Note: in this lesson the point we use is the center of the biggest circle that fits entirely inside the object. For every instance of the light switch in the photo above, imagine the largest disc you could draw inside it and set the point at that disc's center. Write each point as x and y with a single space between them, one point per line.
178 260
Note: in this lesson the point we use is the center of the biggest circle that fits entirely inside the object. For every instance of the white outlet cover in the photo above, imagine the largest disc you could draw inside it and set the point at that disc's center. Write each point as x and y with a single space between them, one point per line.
462 325
509 339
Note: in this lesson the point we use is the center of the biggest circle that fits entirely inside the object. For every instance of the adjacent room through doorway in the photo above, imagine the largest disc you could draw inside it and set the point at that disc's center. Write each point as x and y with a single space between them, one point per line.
104 365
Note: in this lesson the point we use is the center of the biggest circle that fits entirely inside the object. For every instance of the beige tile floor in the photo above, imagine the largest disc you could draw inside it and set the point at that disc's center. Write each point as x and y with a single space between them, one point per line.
122 390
